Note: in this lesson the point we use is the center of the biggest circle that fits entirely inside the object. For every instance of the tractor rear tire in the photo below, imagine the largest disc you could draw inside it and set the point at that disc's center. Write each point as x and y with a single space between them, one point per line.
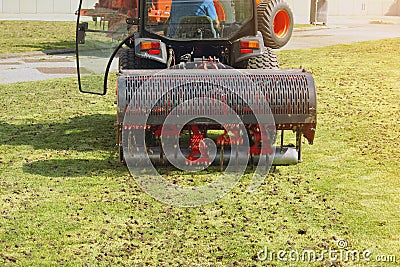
268 60
128 60
275 22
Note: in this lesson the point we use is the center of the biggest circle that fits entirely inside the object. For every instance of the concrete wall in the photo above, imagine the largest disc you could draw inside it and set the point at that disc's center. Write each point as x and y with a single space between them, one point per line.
364 7
301 8
38 6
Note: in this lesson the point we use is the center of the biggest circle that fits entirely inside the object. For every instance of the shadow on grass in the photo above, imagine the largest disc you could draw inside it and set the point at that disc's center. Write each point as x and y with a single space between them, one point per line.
43 46
91 133
84 133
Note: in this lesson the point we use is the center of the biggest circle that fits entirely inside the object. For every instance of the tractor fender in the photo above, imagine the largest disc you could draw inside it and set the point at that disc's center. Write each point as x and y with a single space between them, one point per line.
160 50
238 56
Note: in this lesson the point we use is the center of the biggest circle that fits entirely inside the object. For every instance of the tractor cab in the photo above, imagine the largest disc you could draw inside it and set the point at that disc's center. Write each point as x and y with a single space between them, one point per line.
183 19
157 34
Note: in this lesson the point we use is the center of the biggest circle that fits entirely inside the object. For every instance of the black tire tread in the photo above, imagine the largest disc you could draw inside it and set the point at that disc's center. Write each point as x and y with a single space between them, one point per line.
128 60
268 60
266 11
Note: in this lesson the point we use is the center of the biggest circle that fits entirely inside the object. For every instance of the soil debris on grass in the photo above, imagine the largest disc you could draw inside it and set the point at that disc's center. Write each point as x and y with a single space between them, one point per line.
65 198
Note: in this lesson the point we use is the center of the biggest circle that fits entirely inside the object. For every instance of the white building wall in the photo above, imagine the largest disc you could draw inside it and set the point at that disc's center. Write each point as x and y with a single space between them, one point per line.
364 7
10 6
88 3
45 6
38 6
62 7
27 6
383 7
300 8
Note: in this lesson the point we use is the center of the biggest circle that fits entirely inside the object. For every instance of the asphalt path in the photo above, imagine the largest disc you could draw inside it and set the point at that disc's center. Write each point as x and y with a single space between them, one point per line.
345 30
35 66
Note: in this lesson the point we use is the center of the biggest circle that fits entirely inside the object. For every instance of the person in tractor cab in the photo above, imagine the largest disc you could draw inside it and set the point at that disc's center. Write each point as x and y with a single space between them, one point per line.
185 8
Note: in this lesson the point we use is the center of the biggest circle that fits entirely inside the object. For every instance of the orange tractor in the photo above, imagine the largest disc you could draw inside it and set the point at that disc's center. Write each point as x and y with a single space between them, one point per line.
217 76
274 17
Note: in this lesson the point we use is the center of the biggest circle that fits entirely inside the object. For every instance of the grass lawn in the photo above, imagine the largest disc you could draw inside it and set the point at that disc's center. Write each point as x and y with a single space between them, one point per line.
66 200
303 26
27 36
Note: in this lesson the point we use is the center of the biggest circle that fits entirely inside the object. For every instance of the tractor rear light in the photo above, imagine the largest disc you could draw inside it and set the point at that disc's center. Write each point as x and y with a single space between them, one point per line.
249 45
246 51
149 45
154 51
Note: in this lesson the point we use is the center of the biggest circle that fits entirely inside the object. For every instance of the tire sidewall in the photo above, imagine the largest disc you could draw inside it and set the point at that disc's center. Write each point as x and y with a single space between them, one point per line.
266 22
281 41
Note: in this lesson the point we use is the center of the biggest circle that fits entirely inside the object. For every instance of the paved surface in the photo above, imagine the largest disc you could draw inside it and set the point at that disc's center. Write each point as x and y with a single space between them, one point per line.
343 30
35 66
41 66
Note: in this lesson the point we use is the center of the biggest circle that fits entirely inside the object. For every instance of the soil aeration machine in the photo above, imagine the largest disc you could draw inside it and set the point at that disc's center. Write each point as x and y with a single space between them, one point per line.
165 62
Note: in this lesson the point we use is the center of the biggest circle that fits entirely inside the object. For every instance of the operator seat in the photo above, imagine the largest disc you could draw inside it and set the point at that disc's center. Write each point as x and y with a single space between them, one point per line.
197 27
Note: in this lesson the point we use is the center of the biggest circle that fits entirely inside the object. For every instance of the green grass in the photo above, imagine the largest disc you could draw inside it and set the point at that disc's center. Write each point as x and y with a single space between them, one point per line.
66 200
28 36
303 26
